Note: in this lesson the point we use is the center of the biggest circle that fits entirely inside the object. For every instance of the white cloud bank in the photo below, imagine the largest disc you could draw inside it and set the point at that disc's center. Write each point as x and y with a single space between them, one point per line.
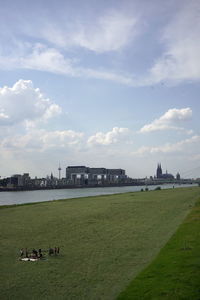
22 103
37 57
111 137
42 58
56 42
187 146
169 120
111 32
42 140
98 33
24 109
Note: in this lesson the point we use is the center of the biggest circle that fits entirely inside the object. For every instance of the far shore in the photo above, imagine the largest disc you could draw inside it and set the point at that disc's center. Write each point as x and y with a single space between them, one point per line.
76 186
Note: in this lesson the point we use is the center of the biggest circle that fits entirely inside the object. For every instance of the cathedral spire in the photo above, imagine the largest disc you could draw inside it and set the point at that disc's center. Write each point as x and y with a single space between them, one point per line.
159 171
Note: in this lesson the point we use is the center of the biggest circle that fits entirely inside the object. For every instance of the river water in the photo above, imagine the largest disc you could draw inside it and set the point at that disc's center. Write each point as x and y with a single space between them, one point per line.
10 198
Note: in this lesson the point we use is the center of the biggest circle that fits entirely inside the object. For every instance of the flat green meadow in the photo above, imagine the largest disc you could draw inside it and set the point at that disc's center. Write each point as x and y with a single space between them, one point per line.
175 272
104 241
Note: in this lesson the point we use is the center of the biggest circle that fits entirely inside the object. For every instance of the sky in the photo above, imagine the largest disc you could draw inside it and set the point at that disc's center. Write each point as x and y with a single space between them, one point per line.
111 84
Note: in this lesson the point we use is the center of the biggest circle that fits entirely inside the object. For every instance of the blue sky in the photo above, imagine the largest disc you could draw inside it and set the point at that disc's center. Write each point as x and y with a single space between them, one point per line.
100 83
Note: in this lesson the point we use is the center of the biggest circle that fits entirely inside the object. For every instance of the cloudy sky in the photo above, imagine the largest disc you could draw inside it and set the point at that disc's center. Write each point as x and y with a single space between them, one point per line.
111 83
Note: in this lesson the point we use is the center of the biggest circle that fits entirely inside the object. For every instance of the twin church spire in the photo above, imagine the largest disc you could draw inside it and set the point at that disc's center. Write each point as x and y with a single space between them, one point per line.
159 171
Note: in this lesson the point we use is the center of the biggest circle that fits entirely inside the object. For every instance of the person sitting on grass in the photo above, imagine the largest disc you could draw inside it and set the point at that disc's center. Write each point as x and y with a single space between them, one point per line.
50 251
34 253
56 250
39 253
26 252
21 252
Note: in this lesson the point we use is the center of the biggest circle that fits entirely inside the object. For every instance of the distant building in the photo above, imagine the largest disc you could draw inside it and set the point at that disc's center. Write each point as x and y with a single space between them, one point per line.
15 181
26 179
87 176
161 175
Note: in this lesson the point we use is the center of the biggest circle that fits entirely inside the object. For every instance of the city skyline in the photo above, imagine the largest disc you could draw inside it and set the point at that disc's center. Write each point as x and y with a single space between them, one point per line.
100 83
84 176
157 173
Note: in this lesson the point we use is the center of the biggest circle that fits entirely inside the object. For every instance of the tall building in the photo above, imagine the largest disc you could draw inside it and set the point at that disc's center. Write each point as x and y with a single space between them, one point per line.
59 172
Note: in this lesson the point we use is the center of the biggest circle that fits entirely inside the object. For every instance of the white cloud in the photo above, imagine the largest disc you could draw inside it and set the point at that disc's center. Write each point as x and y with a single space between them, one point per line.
42 140
23 103
189 145
111 32
46 59
169 120
38 151
100 33
3 116
36 57
181 59
61 138
41 58
111 137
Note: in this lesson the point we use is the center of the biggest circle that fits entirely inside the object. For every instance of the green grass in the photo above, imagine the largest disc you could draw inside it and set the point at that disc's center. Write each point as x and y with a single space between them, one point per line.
105 242
175 272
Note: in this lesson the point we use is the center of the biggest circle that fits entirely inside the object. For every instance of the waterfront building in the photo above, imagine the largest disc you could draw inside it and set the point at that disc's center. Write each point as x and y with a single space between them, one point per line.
90 176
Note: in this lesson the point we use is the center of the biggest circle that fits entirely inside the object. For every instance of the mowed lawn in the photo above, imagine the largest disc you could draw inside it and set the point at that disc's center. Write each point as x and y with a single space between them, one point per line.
175 272
105 242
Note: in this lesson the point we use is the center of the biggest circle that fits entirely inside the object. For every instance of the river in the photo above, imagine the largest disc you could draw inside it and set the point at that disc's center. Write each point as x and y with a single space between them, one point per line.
20 197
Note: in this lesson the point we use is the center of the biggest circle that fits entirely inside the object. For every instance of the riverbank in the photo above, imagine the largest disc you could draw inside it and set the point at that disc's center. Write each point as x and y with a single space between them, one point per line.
80 186
59 187
104 242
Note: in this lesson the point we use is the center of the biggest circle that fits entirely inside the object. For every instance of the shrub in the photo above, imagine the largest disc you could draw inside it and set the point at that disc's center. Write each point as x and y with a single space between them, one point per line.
158 188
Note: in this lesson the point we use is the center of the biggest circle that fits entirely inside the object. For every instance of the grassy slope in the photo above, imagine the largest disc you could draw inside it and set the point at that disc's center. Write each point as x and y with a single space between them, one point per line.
175 273
105 241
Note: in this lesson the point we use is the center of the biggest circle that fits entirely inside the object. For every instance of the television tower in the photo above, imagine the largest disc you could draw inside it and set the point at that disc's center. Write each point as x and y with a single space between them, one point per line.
59 170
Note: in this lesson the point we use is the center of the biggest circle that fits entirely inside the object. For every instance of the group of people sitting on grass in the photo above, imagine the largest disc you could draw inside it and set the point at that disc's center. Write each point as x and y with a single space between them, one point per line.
37 254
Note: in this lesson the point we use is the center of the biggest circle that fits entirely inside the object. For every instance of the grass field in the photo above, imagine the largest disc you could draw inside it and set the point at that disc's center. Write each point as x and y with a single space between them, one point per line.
105 242
175 272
